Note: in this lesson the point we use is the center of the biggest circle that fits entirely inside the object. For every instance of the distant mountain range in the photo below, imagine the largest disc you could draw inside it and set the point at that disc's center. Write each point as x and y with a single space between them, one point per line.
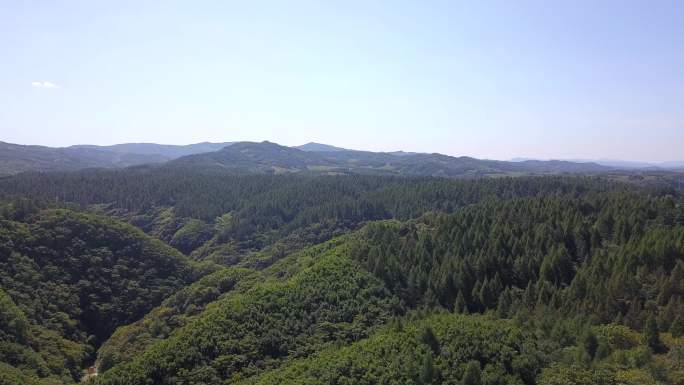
623 164
15 158
267 157
166 151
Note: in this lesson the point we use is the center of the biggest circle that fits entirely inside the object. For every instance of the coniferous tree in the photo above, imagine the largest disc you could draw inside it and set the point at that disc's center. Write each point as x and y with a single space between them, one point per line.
652 335
427 371
429 338
589 343
504 304
602 351
472 374
460 305
677 327
530 295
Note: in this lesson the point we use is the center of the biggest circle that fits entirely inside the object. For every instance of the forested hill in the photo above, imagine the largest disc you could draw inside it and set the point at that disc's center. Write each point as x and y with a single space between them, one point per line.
15 158
220 215
67 280
267 157
574 290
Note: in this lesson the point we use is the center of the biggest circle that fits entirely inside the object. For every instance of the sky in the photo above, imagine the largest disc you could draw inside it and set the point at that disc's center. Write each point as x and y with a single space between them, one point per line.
584 79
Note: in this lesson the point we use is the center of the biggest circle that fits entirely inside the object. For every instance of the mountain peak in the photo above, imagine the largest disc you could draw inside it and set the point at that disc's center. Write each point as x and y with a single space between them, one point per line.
319 147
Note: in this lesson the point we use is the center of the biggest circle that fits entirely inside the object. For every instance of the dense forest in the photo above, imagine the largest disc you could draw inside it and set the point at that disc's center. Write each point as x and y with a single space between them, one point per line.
252 211
69 279
163 275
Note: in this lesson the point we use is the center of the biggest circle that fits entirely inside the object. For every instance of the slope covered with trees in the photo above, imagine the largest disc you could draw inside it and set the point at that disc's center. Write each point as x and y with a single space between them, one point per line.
327 300
589 283
444 348
68 279
441 348
267 157
188 207
176 311
613 255
16 158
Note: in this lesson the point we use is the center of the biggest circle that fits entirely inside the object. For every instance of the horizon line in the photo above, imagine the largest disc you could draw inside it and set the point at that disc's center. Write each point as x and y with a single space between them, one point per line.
511 159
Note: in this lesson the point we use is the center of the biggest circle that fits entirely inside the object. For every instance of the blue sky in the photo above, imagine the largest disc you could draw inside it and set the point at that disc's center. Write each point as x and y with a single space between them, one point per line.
490 79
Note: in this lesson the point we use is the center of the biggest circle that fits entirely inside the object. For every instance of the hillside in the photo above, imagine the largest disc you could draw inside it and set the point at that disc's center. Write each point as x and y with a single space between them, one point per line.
165 151
267 157
71 279
222 215
247 157
570 280
440 348
15 158
318 147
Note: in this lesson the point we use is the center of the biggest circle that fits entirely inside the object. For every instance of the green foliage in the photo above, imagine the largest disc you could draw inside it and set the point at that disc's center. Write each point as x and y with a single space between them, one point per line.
330 302
529 252
589 343
572 266
130 341
192 235
401 357
473 374
68 279
267 207
460 305
677 327
429 338
564 375
72 271
13 323
652 335
9 375
618 337
428 373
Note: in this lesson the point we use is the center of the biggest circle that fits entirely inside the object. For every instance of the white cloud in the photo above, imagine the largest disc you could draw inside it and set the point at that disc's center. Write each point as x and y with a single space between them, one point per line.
44 84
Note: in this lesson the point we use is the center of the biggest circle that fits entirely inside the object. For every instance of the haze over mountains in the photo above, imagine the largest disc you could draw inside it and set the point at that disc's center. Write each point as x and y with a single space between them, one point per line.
267 157
15 158
622 164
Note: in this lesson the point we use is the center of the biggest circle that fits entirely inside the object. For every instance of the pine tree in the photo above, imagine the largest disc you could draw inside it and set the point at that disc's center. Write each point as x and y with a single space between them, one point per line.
460 305
475 296
589 343
602 351
530 295
677 327
427 371
652 335
484 295
429 338
504 304
430 298
473 374
546 272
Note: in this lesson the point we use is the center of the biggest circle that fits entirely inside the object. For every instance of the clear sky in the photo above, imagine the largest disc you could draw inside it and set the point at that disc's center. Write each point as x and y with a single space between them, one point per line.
490 79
